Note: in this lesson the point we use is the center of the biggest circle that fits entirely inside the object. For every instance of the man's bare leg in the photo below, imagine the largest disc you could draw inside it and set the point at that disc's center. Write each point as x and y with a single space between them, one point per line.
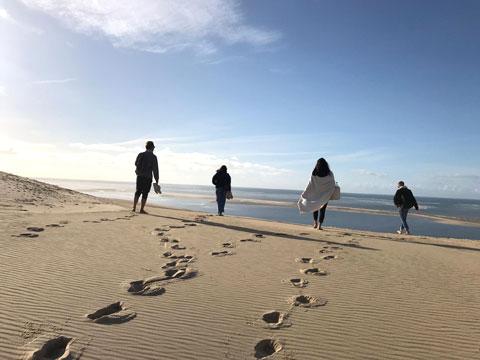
142 206
135 202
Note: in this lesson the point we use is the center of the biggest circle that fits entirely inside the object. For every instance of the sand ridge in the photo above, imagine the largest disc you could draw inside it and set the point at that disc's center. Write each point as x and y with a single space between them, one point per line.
384 296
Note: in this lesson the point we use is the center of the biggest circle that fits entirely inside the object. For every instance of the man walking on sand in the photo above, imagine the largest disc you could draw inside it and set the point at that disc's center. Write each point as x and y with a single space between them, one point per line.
404 200
146 164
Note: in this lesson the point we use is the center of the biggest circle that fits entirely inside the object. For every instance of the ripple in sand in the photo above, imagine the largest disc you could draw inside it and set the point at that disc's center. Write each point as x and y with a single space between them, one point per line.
35 229
307 301
115 313
26 235
221 253
314 271
250 240
54 349
275 319
267 347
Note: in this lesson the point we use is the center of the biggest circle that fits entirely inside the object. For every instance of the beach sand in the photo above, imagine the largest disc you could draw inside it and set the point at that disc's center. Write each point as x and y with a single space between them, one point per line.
372 296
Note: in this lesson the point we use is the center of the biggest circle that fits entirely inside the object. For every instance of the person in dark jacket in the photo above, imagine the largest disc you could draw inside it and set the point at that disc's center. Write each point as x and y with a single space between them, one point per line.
222 182
404 201
146 164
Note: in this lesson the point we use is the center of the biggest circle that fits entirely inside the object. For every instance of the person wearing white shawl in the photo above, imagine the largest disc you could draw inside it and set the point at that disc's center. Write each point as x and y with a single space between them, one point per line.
318 192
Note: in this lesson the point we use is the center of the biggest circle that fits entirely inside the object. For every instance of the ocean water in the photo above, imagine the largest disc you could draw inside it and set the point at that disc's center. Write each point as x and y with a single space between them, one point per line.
258 203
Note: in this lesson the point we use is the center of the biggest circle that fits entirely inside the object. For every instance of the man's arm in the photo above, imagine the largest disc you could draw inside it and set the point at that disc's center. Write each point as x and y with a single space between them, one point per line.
137 161
228 185
214 179
396 199
415 202
155 168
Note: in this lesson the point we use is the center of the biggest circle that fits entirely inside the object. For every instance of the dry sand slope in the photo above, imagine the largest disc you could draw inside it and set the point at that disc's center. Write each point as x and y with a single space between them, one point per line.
93 281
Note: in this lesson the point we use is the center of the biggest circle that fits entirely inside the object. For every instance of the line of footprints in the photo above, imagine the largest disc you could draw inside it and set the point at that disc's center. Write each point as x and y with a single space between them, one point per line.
277 319
178 267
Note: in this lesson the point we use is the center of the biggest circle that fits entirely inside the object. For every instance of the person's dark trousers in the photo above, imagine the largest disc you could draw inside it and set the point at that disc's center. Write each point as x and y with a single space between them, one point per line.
403 215
221 199
322 211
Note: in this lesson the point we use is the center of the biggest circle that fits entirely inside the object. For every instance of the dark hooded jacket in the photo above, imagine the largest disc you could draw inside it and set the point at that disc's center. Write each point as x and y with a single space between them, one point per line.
222 180
404 198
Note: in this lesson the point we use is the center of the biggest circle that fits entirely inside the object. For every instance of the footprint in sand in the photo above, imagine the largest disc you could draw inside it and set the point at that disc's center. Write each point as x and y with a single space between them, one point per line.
35 229
329 257
307 301
164 239
26 235
176 226
298 282
157 233
139 287
115 313
54 349
177 247
54 225
267 347
170 255
153 285
228 245
221 253
63 222
260 236
313 271
178 262
190 224
303 234
275 319
305 260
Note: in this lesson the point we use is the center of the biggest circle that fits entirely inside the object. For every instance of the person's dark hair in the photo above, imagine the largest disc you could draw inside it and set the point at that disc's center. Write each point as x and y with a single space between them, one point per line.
223 168
321 169
149 145
401 183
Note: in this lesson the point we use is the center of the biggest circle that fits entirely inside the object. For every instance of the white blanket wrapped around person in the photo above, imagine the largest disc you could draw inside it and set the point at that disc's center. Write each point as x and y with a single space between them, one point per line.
318 192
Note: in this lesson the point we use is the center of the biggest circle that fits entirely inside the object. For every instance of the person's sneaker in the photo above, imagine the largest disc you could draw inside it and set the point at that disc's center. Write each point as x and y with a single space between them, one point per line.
408 233
143 212
399 232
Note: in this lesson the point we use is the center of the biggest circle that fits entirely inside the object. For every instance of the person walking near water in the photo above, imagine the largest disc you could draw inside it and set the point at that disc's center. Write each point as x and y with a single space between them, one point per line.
404 201
146 164
222 182
317 193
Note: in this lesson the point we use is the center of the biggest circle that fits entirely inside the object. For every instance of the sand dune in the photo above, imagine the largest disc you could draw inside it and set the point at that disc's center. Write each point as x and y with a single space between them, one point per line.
381 296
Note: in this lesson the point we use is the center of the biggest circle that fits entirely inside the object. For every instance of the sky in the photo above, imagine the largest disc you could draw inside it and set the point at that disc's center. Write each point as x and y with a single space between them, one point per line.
384 90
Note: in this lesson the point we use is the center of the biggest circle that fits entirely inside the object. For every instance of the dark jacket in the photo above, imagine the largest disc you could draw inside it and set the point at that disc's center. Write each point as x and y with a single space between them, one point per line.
147 163
222 180
404 198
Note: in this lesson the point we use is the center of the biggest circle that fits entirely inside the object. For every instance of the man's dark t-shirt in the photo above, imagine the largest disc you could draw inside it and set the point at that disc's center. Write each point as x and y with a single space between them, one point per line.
146 164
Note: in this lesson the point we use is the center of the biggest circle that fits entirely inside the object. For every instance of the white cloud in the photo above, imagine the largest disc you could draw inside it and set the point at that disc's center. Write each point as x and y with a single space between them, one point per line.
4 15
53 81
115 161
370 173
159 26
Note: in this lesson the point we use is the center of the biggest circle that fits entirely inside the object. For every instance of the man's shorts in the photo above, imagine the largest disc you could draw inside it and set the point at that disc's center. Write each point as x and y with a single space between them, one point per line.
144 185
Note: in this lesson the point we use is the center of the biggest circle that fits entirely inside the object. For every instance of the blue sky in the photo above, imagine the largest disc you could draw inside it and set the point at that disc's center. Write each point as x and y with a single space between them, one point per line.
384 90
